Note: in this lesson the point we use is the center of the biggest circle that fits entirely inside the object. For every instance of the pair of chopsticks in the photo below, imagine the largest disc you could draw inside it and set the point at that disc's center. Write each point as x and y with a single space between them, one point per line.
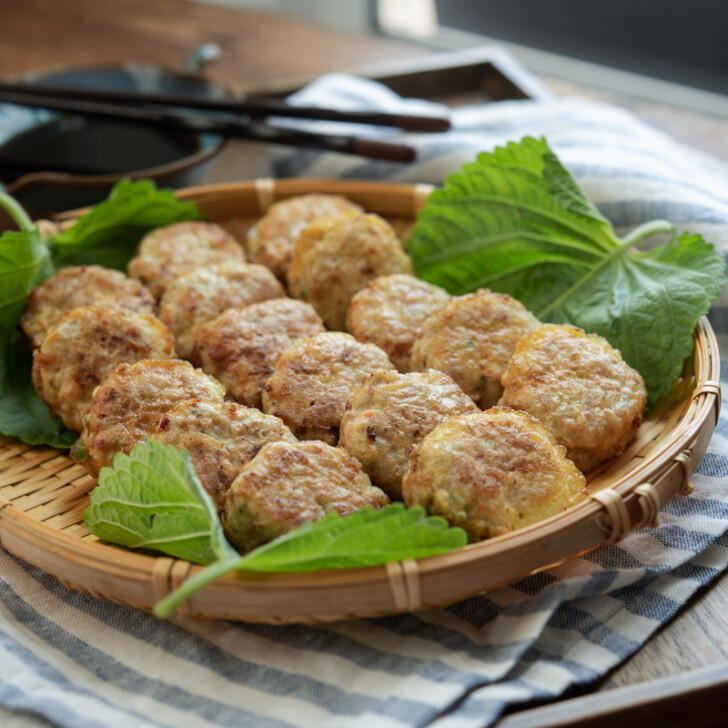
156 109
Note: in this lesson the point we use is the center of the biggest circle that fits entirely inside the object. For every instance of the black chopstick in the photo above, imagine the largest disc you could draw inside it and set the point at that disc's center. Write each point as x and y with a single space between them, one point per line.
255 130
252 107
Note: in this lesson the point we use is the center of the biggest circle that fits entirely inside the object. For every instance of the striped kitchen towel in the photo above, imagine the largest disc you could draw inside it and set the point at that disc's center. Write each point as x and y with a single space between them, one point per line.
83 663
80 662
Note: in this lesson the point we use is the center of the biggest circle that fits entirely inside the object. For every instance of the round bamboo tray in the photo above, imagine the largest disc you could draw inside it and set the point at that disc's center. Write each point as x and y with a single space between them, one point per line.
43 493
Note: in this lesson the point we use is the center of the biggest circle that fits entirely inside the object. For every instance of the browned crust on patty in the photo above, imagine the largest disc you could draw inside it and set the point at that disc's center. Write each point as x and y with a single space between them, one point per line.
84 285
491 473
241 347
288 484
580 388
127 408
315 378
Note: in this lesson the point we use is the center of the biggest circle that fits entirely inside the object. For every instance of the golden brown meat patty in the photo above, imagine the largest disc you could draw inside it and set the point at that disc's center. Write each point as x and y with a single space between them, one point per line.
491 473
315 378
84 347
221 437
273 239
241 346
168 252
472 338
200 296
127 408
288 484
390 311
84 285
337 256
580 388
390 412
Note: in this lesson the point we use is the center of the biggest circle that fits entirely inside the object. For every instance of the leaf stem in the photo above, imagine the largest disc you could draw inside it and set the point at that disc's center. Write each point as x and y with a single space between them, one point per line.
639 233
647 230
14 209
182 593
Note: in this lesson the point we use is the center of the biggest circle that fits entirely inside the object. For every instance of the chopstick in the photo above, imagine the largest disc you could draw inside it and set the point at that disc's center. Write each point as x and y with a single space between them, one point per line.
252 107
254 130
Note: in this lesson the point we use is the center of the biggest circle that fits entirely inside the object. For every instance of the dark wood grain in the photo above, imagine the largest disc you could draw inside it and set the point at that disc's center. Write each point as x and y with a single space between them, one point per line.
258 49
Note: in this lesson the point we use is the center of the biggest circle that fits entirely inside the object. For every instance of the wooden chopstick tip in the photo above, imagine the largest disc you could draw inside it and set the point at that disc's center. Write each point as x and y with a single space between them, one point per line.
258 107
389 151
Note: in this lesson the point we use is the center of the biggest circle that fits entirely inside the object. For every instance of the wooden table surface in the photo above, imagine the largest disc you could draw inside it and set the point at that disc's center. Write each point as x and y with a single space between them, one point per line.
261 50
257 49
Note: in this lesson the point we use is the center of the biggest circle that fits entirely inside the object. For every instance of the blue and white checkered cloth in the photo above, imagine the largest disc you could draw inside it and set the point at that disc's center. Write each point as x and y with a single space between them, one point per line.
84 663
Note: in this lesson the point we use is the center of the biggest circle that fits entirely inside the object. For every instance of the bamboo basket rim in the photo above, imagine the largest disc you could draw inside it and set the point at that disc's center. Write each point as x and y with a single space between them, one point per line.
625 494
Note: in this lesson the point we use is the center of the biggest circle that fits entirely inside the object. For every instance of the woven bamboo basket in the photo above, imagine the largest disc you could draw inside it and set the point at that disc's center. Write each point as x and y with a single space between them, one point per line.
43 493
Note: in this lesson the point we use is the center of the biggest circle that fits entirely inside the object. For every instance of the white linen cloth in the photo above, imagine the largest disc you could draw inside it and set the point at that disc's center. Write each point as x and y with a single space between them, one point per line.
84 663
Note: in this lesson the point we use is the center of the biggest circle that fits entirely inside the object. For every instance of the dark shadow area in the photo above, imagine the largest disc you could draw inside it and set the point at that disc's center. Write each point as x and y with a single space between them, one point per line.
671 40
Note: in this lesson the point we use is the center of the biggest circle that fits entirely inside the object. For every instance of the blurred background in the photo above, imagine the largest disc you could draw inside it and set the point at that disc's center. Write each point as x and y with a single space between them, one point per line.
671 50
665 62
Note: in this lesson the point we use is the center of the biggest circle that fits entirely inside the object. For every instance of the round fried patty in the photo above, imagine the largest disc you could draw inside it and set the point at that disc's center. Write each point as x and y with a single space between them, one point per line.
168 252
84 347
471 338
221 437
288 484
84 285
337 256
198 297
491 473
390 311
580 388
315 378
390 412
273 239
127 408
241 347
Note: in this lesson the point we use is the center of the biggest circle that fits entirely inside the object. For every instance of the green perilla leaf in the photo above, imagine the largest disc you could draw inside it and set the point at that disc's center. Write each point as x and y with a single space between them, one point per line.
515 221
